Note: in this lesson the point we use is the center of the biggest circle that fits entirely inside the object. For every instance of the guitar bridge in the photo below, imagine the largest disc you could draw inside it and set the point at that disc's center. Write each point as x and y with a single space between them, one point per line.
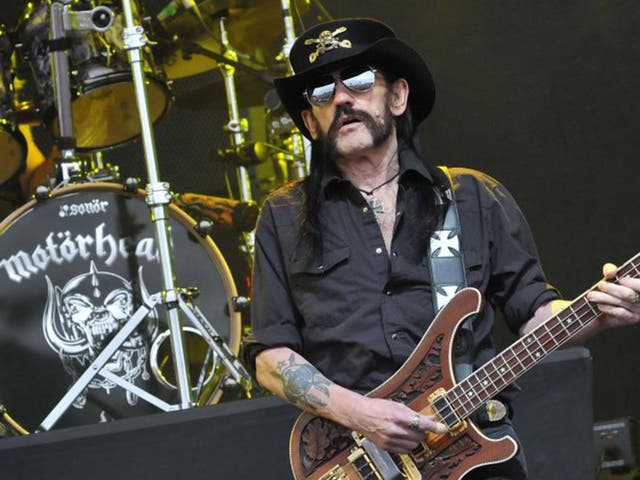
446 413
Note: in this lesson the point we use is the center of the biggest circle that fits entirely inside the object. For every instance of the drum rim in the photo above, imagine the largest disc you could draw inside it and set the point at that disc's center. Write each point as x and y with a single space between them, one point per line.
175 212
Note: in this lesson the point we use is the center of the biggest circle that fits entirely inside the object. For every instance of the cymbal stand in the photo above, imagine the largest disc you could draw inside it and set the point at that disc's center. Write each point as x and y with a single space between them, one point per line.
299 144
62 20
173 298
69 165
236 126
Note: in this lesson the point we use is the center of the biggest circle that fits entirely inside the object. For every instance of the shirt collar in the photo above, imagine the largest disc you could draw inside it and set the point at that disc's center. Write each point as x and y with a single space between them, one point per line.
407 157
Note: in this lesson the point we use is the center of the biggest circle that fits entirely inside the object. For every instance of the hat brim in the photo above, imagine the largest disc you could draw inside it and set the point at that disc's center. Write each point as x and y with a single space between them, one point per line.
390 55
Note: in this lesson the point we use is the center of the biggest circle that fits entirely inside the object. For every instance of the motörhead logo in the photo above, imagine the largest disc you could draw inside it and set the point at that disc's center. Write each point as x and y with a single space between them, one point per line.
73 269
64 247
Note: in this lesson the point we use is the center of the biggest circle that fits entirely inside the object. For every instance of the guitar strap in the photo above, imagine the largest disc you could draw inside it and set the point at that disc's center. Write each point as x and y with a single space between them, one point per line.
446 265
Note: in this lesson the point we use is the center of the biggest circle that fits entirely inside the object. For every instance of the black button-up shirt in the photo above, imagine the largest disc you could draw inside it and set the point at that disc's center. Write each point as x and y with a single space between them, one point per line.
357 312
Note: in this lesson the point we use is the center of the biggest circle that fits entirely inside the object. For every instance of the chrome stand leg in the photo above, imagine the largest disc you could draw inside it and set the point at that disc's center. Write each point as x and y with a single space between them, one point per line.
158 197
299 167
236 127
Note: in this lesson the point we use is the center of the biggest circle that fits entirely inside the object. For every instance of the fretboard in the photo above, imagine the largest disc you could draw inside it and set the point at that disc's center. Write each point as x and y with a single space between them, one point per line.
484 383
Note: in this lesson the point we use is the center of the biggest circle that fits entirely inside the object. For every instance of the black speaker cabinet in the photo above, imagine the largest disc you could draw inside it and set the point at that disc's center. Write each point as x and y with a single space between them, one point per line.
554 417
248 439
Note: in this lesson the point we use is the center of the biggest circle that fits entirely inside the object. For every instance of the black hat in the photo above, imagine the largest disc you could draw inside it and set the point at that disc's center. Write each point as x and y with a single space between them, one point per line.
351 41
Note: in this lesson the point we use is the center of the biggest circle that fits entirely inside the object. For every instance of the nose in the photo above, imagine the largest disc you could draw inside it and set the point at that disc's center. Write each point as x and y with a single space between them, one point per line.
342 95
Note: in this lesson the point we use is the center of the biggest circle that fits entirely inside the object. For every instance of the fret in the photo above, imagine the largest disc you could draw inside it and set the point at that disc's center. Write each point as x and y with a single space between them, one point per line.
490 375
532 339
568 323
538 355
486 383
633 267
551 336
505 368
470 394
518 355
479 384
594 310
586 317
560 322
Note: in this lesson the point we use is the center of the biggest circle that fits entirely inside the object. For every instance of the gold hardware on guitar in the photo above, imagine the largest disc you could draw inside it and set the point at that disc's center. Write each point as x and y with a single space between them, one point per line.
459 425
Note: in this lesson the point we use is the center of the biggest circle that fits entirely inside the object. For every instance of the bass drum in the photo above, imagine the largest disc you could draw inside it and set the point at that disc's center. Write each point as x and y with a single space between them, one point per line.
73 269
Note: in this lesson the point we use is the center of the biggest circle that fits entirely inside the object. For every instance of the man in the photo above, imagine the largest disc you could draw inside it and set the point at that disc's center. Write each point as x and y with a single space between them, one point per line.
342 288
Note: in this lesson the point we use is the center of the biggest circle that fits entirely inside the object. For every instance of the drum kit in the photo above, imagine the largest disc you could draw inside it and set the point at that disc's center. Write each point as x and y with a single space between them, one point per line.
91 310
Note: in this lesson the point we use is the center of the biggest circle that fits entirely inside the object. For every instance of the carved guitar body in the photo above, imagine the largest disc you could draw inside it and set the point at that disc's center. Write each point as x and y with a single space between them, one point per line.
323 450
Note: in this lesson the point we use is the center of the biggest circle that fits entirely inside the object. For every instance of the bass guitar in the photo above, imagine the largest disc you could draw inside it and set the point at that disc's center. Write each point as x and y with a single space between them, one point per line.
323 450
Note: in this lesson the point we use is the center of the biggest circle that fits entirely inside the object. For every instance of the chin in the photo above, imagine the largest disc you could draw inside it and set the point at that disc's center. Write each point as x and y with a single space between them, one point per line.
353 143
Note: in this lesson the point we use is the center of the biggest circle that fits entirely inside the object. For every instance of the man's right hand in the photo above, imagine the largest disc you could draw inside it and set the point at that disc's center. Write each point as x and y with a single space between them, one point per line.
391 425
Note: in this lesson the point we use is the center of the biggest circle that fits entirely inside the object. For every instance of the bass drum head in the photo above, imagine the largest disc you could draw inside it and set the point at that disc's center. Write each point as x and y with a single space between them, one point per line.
73 269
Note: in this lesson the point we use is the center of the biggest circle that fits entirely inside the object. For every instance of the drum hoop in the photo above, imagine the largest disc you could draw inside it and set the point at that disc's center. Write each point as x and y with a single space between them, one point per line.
122 77
175 213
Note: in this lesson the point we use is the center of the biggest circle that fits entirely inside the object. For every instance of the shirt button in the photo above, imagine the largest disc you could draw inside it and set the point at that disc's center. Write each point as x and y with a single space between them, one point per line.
378 250
394 336
388 293
365 209
320 267
395 254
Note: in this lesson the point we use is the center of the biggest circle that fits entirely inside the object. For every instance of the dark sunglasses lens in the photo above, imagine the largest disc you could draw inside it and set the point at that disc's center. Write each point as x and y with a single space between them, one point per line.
321 94
359 81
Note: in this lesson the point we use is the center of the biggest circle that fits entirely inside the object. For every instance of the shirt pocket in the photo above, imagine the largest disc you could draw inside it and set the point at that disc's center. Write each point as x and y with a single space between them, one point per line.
320 287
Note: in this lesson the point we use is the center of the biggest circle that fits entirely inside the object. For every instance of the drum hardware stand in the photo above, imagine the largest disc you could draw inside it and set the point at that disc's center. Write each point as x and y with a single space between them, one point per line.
64 19
299 163
158 197
236 127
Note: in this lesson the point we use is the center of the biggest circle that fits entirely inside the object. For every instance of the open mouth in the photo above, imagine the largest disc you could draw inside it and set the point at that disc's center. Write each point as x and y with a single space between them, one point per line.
348 120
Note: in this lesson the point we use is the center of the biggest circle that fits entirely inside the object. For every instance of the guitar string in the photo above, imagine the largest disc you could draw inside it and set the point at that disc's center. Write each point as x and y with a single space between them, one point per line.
462 395
624 270
517 356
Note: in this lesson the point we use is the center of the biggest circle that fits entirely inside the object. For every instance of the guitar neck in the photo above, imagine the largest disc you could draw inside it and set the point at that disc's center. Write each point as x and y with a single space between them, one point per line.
468 395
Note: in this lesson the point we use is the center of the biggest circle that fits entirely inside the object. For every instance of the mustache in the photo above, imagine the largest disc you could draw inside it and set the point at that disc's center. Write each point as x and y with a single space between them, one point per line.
341 110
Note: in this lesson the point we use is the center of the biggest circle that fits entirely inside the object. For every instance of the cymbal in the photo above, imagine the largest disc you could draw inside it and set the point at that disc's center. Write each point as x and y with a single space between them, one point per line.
209 92
253 26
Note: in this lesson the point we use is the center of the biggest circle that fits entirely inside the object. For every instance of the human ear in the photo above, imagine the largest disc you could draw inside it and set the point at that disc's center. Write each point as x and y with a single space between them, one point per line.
311 123
399 96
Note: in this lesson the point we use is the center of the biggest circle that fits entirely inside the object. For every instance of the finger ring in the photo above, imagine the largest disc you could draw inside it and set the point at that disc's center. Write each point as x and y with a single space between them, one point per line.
415 422
636 300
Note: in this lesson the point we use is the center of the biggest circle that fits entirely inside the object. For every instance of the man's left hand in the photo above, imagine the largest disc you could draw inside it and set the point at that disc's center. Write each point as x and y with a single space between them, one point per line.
620 302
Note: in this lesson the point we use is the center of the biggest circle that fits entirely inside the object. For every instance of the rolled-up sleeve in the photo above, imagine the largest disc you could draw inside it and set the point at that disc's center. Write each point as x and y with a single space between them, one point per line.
518 284
274 317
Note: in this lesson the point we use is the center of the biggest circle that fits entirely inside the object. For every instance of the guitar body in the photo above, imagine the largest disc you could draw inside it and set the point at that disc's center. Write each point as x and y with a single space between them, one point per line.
323 450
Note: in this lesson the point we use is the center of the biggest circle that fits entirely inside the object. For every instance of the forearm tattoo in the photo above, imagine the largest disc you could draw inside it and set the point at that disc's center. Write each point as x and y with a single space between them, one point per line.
302 383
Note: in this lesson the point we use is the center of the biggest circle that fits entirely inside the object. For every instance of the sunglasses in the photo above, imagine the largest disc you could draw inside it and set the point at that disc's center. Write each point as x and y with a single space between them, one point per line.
357 79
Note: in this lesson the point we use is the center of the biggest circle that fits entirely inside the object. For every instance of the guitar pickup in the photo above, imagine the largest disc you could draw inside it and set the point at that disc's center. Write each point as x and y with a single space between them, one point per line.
446 413
378 462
